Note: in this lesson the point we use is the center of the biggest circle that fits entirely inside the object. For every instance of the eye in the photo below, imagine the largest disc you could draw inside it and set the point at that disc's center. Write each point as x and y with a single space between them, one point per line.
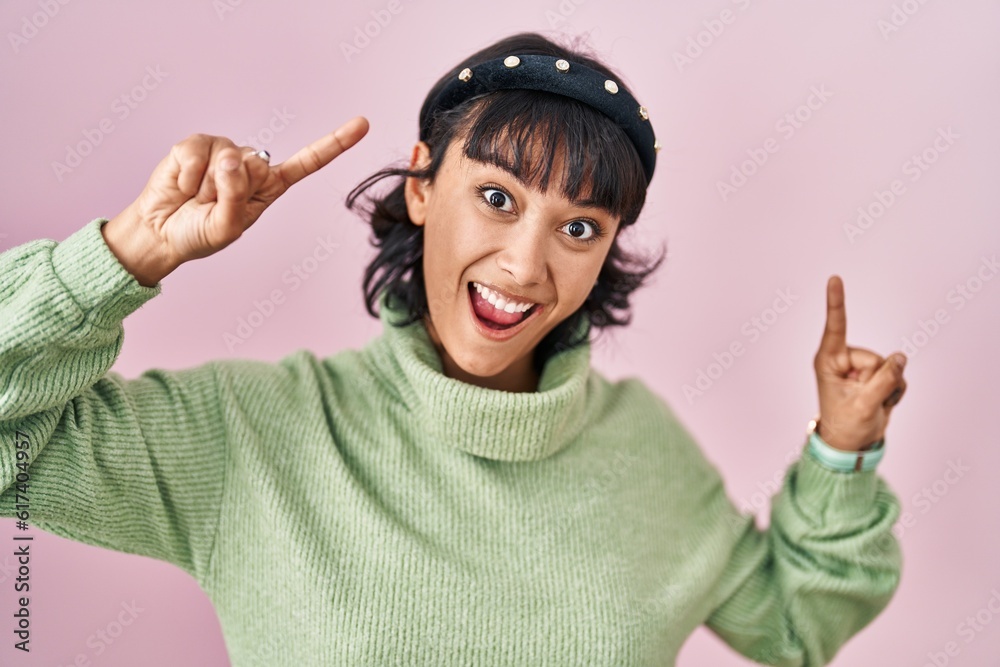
495 198
579 226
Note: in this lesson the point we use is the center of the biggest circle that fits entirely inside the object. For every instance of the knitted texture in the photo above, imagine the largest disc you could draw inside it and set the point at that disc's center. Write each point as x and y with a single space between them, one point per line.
365 509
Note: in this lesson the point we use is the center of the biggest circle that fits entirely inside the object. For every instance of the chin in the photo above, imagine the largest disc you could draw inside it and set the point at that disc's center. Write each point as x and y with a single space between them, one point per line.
481 365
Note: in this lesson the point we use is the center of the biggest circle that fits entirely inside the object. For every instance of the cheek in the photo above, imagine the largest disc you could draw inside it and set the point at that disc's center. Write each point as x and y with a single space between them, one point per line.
574 278
448 253
450 242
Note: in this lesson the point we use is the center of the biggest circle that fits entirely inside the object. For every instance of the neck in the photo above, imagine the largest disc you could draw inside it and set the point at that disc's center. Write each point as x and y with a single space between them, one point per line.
520 376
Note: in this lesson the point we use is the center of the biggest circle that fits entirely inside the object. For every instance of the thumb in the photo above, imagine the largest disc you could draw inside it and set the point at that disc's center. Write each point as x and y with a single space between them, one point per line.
231 185
885 380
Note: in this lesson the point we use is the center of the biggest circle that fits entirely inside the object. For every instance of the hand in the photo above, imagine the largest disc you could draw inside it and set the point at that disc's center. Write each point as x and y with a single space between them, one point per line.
857 388
192 206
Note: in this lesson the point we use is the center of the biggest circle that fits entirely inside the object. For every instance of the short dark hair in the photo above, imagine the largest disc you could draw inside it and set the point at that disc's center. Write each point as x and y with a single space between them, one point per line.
599 156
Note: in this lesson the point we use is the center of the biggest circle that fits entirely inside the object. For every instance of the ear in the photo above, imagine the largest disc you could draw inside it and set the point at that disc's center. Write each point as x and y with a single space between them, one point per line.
417 190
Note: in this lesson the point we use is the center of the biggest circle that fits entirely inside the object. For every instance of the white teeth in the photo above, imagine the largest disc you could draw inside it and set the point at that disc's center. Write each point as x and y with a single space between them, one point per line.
499 302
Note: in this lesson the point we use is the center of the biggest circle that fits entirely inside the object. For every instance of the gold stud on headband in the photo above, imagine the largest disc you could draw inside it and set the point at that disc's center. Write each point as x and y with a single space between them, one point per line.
657 146
560 76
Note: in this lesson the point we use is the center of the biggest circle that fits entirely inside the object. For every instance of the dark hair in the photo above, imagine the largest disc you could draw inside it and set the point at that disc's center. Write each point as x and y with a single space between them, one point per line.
599 156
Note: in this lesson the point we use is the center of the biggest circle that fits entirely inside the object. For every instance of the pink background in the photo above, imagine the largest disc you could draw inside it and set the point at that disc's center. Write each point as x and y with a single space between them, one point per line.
783 230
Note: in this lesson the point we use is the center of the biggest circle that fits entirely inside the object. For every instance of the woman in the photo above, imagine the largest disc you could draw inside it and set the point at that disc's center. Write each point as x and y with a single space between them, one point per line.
465 489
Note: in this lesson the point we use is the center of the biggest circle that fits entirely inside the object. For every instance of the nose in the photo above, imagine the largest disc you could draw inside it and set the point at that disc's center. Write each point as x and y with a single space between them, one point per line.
524 254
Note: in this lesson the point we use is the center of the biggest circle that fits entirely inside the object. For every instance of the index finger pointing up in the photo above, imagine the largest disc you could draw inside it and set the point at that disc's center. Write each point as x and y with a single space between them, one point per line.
835 334
321 152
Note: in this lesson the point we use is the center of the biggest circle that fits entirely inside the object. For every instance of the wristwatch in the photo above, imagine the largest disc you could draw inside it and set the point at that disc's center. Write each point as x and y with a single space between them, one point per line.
839 459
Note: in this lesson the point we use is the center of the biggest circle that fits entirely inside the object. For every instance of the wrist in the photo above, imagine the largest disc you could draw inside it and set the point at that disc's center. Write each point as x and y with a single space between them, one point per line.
842 460
838 443
138 250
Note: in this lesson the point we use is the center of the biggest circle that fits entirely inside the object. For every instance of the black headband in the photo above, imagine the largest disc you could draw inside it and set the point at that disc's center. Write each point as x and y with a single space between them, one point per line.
554 75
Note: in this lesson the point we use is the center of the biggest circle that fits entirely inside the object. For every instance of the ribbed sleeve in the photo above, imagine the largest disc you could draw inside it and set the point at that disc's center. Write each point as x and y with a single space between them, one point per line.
61 312
825 567
131 465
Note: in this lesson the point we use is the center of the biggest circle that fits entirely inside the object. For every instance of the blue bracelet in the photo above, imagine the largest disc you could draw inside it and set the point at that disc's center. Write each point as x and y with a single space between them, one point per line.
841 460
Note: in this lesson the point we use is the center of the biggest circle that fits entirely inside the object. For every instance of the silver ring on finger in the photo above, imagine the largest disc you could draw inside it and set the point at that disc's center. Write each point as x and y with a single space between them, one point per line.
262 154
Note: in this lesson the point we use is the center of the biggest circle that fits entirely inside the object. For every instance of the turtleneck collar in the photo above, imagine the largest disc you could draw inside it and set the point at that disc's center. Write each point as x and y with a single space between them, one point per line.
490 423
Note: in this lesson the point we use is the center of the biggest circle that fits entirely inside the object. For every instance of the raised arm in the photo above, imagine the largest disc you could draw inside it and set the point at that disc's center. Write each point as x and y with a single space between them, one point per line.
131 465
828 563
134 466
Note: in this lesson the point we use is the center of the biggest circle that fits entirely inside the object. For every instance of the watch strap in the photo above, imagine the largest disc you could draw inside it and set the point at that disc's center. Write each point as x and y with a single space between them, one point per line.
841 460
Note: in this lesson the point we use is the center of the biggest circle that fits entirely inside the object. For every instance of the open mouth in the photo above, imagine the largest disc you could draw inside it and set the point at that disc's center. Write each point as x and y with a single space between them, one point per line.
492 317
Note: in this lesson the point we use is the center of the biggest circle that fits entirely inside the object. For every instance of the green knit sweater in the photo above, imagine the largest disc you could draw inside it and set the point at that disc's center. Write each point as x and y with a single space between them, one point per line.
365 509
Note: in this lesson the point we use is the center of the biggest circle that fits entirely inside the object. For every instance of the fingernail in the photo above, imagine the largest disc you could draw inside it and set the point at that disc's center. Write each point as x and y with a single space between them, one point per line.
900 361
229 164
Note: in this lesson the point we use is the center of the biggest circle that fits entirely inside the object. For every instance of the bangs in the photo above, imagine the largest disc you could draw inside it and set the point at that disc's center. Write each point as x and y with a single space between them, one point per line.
523 132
